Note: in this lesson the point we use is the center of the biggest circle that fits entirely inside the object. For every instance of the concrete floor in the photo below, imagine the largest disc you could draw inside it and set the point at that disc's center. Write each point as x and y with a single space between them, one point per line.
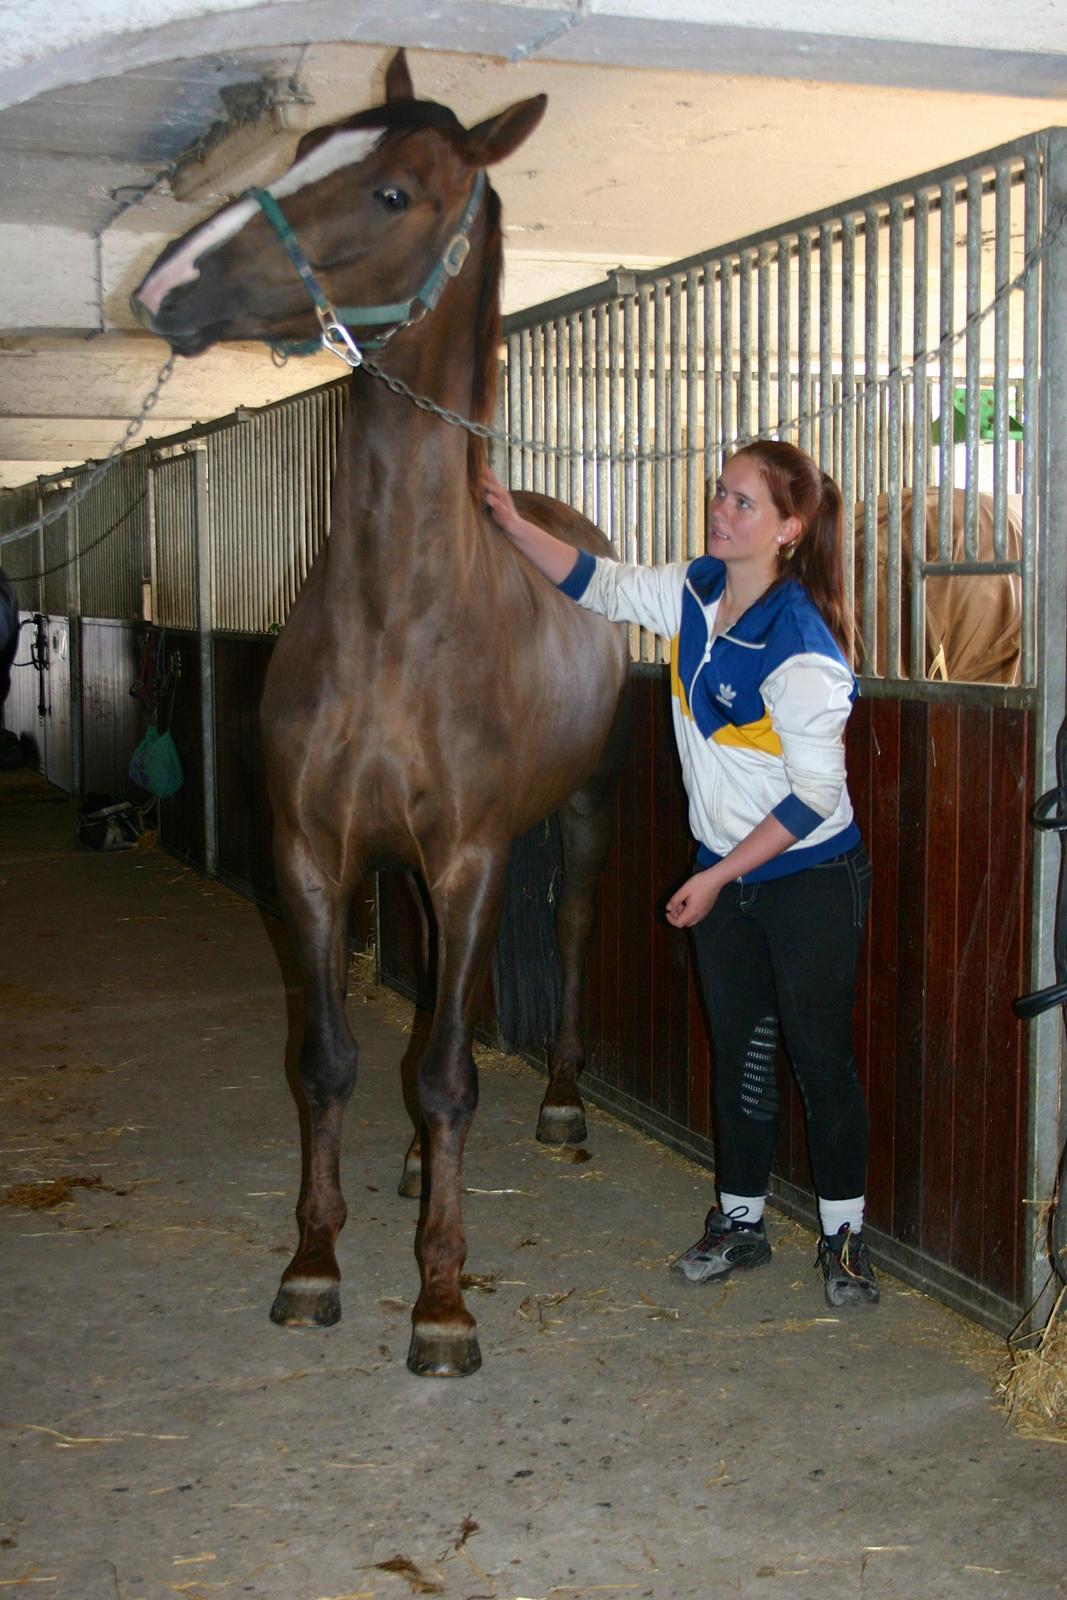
627 1436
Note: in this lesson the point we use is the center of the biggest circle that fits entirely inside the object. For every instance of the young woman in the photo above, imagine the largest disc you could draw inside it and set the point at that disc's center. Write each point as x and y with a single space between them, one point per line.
762 689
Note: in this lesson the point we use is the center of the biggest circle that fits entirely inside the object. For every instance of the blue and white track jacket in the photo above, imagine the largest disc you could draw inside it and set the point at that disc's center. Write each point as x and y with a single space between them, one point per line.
759 715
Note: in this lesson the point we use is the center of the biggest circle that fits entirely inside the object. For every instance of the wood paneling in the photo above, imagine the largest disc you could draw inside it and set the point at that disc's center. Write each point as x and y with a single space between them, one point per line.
942 793
113 720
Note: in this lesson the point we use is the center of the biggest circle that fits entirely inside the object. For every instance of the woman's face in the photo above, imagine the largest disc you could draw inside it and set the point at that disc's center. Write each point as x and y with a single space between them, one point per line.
744 526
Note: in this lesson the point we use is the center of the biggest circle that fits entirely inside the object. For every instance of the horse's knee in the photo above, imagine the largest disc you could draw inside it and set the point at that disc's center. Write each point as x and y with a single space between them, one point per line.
328 1074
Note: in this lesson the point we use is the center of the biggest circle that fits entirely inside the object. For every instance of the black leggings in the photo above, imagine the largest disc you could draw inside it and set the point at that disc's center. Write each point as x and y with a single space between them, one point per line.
786 952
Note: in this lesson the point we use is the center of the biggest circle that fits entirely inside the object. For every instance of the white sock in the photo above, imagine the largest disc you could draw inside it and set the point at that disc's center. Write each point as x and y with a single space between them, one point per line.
833 1214
746 1208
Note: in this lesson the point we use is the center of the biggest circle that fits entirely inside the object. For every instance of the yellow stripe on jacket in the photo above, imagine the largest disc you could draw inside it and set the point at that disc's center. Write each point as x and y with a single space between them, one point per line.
750 736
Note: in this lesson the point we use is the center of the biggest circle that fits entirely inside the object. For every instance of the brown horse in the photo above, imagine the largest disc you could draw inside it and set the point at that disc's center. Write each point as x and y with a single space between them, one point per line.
432 696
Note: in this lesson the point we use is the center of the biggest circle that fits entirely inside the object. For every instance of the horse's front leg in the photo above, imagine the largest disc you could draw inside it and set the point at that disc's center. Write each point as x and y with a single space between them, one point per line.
585 827
309 1294
466 901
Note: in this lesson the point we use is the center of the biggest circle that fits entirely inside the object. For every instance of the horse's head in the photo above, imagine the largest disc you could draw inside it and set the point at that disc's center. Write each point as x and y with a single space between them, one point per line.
371 206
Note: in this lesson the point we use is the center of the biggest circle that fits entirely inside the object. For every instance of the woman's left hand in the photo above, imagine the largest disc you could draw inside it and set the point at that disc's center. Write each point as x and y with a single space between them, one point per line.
691 903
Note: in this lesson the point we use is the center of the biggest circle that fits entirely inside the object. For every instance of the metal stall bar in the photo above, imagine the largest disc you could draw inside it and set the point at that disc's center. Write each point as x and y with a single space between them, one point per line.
726 365
920 435
847 469
73 607
947 396
588 418
1031 410
805 385
894 457
1045 1113
693 293
871 390
1001 357
973 377
205 623
674 547
827 421
785 373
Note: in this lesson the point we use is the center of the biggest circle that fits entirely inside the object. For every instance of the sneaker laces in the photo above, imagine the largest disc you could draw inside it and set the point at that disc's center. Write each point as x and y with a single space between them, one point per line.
844 1255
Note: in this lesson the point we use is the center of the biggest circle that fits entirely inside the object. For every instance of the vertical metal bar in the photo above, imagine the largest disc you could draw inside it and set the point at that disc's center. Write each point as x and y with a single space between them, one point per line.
525 399
871 392
744 346
562 414
574 415
537 363
947 402
673 529
712 422
1031 415
659 466
74 652
153 557
514 365
205 624
894 401
785 374
643 553
690 542
1001 357
588 417
726 367
973 345
848 389
616 477
826 348
763 336
1045 1110
804 384
602 364
920 433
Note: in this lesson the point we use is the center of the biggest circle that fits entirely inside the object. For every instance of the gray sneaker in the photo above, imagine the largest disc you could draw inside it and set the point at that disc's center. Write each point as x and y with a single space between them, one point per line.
727 1246
848 1277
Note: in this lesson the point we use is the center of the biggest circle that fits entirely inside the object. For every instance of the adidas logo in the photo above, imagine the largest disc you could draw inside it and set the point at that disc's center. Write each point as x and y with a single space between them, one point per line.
727 694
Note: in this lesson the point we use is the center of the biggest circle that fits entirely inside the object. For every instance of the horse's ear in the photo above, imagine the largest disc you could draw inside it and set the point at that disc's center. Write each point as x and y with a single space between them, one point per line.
398 85
493 140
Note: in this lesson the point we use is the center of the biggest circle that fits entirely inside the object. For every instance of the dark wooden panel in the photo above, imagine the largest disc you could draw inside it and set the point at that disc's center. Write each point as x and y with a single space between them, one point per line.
244 818
181 818
941 793
113 720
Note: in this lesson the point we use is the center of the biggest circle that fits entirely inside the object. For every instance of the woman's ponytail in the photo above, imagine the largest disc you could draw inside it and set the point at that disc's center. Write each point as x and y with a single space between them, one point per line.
816 557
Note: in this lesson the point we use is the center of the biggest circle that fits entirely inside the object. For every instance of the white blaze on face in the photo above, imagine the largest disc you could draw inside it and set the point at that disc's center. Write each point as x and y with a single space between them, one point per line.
342 150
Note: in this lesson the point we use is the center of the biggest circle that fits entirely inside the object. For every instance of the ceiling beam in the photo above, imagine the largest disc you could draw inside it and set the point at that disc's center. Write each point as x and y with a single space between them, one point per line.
1017 47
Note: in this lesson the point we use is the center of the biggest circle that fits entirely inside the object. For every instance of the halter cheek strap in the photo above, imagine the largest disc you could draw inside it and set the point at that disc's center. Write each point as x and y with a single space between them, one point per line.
336 322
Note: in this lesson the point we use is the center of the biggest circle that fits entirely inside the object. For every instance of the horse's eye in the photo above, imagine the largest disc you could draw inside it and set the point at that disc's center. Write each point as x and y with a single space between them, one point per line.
392 199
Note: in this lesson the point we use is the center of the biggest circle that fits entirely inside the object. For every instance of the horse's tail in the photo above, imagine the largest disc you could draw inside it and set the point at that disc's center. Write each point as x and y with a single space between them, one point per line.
526 970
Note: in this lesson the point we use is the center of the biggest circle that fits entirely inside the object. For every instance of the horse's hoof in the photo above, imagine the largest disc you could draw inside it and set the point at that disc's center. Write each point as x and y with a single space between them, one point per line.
442 1355
561 1125
307 1303
410 1185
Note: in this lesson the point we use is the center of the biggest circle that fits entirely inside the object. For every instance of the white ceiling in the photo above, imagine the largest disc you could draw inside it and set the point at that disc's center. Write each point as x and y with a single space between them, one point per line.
672 125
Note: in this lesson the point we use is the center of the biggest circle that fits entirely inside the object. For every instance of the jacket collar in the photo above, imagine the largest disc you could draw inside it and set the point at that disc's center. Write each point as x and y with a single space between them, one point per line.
707 579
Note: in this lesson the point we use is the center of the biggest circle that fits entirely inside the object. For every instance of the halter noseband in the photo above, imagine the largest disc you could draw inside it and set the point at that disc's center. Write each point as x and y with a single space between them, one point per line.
336 321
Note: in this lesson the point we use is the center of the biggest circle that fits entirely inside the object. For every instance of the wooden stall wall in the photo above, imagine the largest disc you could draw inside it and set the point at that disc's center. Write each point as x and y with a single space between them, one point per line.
113 719
942 793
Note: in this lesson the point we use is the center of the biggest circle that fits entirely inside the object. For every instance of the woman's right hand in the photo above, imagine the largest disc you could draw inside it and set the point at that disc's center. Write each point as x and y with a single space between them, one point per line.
500 505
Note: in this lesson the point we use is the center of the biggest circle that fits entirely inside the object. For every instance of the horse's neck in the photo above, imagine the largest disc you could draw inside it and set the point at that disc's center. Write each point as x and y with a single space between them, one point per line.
401 496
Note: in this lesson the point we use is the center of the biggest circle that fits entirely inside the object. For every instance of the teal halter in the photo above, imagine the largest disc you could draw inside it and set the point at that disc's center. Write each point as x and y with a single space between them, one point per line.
336 321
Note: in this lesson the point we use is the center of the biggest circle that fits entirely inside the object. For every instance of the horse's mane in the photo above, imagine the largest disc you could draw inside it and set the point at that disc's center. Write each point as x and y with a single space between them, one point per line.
486 337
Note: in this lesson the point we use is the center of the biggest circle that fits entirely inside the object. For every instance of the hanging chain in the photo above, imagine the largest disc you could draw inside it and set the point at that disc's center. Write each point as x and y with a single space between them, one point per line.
133 427
482 430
